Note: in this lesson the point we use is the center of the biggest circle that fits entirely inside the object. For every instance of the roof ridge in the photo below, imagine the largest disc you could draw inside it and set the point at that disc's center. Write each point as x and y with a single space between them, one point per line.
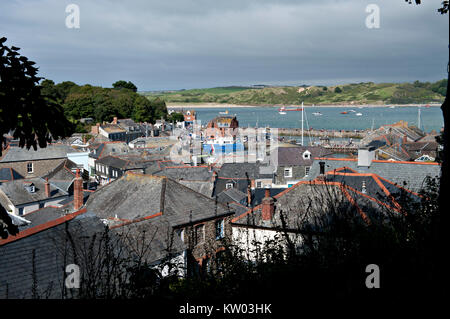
39 228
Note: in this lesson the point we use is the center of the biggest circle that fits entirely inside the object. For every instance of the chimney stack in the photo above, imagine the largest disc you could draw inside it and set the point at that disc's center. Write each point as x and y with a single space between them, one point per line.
321 176
363 188
47 187
365 156
249 196
78 191
95 129
405 139
268 206
214 177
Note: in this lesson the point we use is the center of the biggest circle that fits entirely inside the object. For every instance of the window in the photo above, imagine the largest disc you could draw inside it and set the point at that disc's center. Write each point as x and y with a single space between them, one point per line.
199 234
288 172
229 185
258 184
29 168
307 168
180 233
220 229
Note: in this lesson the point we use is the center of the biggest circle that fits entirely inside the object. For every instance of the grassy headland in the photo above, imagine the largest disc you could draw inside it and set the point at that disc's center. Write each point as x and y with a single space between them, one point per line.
354 93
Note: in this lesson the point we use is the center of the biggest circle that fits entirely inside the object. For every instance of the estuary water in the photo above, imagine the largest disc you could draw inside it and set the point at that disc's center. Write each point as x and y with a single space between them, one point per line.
331 119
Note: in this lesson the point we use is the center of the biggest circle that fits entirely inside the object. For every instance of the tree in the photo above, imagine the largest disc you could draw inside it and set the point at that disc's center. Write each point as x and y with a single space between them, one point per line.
24 111
143 110
444 186
337 90
176 117
125 85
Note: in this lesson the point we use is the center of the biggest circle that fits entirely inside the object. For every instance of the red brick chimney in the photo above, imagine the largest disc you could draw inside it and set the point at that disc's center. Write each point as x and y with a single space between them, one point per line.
78 191
405 139
47 187
268 207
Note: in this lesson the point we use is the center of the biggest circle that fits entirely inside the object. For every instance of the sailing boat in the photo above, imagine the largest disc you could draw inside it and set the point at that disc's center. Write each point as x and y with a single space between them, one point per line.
282 110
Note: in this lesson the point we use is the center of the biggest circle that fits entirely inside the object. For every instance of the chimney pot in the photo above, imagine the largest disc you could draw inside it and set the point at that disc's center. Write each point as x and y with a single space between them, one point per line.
268 206
78 191
322 168
47 187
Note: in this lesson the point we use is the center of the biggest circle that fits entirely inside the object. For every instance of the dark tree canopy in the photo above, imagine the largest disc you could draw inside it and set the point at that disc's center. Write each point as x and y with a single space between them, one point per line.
103 104
176 117
24 111
125 85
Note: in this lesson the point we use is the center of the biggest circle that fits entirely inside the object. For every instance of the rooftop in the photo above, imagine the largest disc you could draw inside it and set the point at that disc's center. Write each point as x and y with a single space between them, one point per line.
411 173
135 196
52 151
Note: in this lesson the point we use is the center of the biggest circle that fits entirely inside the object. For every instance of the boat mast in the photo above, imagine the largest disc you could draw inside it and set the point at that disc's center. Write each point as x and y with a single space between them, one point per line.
302 123
418 118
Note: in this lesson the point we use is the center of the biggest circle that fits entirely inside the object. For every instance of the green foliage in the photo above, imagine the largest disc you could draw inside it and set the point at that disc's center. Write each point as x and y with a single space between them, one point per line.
103 104
175 117
359 93
125 85
24 110
337 90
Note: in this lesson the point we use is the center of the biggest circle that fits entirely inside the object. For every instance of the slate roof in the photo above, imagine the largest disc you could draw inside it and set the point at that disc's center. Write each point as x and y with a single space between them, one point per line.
374 186
293 156
62 176
15 191
16 268
9 174
158 235
135 196
232 195
52 151
259 193
238 183
203 187
300 204
187 173
412 173
108 148
238 170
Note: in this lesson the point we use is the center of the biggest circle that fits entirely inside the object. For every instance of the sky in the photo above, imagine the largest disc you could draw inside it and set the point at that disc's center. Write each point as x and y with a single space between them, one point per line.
182 44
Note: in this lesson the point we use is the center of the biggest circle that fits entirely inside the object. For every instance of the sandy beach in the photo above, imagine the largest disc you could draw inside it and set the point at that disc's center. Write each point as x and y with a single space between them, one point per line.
228 106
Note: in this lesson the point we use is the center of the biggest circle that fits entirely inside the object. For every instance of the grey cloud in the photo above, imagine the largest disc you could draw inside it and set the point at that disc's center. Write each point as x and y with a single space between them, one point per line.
204 43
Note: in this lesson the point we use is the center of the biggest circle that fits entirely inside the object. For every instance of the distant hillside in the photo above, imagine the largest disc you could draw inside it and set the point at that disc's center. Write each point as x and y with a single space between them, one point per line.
358 93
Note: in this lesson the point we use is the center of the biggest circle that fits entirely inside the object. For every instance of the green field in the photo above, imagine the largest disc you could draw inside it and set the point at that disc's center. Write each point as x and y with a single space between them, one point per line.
358 93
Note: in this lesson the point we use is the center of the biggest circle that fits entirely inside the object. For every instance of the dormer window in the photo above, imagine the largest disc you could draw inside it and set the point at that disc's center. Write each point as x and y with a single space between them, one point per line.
229 185
307 155
29 168
30 188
